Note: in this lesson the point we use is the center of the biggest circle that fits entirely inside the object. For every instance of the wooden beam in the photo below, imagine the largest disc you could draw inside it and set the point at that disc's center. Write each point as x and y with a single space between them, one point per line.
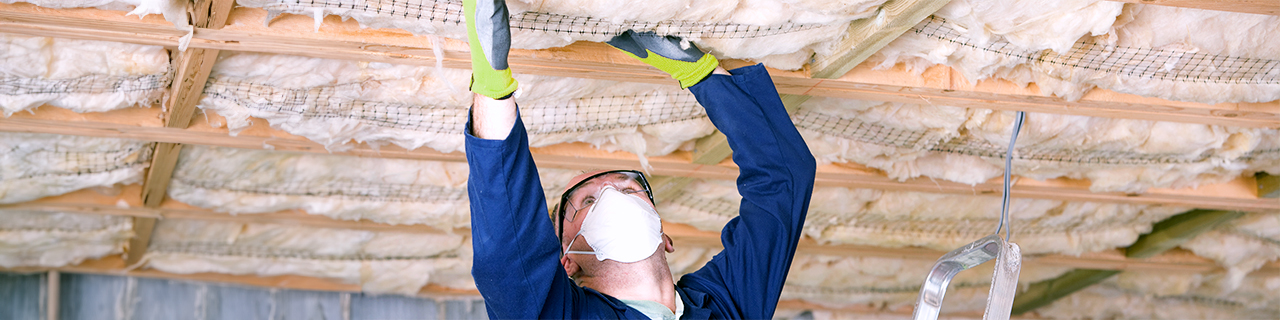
53 286
867 36
143 124
1268 185
667 187
1043 293
127 204
1267 7
293 35
1176 230
1165 235
193 67
142 230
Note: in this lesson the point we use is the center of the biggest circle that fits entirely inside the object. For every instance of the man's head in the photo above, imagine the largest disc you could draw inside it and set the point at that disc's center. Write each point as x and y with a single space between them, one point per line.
625 204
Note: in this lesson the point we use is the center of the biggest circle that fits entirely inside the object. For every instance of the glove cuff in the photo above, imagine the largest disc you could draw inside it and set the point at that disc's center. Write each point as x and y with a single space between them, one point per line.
688 73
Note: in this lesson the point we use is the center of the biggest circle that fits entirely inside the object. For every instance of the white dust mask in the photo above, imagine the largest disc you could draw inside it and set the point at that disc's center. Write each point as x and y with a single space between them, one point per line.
621 227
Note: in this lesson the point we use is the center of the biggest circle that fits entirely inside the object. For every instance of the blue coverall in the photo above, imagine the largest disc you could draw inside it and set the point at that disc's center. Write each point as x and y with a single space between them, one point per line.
516 263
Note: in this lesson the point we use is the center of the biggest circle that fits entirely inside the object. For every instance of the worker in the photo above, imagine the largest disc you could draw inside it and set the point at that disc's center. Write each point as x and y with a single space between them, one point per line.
603 254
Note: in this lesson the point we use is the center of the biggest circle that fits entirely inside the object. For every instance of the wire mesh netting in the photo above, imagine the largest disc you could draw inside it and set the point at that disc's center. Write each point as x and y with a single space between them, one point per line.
968 145
1147 63
324 102
39 165
377 110
362 190
52 239
450 12
93 84
585 114
223 249
56 222
603 113
61 160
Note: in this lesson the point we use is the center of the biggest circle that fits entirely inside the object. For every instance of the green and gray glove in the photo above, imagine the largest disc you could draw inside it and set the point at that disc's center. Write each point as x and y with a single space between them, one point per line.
687 65
489 34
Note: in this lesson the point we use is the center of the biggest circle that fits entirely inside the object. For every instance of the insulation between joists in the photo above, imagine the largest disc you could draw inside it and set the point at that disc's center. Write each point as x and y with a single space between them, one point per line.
80 75
55 239
39 165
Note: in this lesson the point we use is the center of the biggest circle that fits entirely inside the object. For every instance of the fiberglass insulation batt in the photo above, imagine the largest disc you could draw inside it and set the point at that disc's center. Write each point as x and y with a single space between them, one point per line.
34 165
1241 245
335 102
897 219
173 10
1070 47
80 75
968 145
381 262
393 191
781 34
1170 295
891 282
55 239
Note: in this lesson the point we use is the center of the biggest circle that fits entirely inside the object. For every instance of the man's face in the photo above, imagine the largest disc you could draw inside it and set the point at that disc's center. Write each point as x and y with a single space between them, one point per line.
581 200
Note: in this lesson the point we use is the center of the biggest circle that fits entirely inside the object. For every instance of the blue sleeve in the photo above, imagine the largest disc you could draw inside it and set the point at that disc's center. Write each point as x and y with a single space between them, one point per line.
776 173
516 261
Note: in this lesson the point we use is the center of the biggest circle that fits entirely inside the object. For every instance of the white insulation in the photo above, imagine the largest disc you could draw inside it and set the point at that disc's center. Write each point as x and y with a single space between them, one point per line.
380 262
173 10
80 75
782 34
1070 47
393 191
33 166
1242 245
938 221
892 282
55 239
336 102
968 145
1168 295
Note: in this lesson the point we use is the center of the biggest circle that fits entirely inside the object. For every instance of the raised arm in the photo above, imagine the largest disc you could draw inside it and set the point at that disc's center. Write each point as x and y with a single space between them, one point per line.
516 255
776 172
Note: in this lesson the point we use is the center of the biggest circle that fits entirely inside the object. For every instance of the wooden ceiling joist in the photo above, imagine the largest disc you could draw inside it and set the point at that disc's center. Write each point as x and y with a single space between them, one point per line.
1267 7
115 265
1268 185
1164 236
193 67
144 124
867 36
293 35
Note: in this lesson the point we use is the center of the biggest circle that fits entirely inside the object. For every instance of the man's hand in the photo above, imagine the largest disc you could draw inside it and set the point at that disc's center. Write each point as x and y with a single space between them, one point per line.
687 65
493 112
489 34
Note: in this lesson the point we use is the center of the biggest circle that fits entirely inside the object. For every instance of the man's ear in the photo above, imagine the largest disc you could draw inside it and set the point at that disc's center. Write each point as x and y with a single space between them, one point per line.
668 244
570 267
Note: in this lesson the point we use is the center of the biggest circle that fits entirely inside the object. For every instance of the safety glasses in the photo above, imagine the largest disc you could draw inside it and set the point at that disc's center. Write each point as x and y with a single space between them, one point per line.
618 178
